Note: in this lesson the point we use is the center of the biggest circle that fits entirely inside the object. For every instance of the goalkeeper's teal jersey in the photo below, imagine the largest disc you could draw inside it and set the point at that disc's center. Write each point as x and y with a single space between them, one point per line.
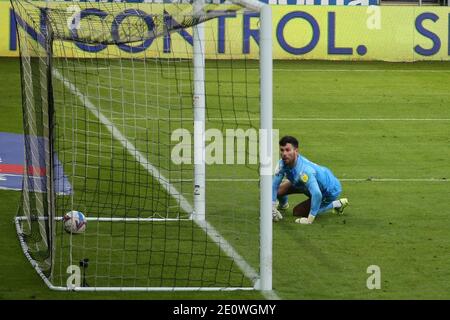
317 182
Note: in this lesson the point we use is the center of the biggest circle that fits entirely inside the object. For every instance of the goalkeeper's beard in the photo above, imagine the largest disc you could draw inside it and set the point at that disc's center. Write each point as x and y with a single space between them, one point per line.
290 161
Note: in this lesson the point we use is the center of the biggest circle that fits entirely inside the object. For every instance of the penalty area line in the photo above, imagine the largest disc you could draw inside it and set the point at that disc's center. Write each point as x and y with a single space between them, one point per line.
289 119
296 70
340 179
396 180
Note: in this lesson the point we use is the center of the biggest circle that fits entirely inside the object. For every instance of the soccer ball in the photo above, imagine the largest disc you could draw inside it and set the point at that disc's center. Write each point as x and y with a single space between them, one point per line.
74 222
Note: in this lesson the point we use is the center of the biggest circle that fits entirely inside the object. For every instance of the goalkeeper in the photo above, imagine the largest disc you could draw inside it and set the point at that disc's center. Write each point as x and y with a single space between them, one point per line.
303 176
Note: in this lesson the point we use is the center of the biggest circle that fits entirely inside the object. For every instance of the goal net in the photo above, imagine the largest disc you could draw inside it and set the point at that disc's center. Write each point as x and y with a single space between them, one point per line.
147 118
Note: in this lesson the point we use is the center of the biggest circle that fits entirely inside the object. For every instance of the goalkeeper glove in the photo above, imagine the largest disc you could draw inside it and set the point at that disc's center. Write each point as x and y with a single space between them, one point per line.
308 220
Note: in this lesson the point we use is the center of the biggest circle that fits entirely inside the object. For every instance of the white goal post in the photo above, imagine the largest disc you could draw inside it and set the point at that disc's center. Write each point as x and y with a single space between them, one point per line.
266 125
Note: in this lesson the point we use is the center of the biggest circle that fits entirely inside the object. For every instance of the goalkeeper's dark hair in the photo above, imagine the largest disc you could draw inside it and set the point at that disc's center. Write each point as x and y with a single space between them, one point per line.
289 139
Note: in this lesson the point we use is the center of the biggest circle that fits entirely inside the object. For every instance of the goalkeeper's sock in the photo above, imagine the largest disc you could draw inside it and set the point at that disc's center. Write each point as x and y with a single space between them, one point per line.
337 204
283 202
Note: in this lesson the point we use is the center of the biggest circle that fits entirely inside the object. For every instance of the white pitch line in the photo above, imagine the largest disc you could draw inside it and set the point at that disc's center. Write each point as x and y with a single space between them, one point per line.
344 70
296 70
397 180
183 202
363 70
340 179
361 119
290 119
85 68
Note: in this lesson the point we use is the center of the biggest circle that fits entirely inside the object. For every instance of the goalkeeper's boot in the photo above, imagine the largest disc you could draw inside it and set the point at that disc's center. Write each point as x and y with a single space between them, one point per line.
283 207
344 204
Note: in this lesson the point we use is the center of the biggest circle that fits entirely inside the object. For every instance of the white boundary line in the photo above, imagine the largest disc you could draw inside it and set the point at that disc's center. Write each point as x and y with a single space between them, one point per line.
293 119
396 180
361 119
184 204
340 179
364 70
80 67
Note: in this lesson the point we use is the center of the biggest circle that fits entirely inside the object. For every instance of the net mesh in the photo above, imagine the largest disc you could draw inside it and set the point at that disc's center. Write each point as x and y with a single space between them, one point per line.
108 106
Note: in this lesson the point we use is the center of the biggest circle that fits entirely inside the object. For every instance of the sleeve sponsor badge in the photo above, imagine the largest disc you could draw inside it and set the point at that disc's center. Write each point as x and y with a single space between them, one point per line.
304 177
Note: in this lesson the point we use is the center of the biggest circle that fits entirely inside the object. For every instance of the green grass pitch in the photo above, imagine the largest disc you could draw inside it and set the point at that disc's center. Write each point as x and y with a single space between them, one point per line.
383 128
